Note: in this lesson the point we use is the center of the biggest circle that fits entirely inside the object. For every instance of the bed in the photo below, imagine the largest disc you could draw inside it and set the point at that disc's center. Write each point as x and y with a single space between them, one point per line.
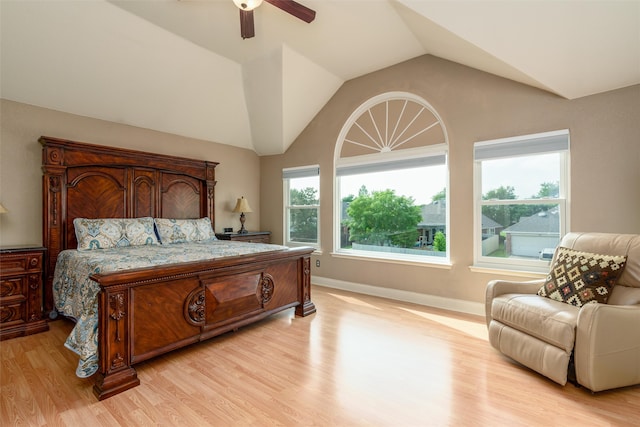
144 310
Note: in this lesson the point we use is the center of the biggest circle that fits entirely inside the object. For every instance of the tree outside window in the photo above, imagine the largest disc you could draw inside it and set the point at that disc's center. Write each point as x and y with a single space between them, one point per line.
302 206
521 199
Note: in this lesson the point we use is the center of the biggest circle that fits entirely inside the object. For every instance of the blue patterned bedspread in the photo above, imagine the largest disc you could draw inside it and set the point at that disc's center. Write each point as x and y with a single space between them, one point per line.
75 295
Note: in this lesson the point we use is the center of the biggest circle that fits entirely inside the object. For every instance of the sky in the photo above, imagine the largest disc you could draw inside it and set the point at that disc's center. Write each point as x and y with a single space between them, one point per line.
525 174
420 183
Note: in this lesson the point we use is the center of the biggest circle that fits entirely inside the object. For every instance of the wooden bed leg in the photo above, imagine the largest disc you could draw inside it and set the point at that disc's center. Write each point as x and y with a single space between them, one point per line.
115 373
305 309
112 384
306 306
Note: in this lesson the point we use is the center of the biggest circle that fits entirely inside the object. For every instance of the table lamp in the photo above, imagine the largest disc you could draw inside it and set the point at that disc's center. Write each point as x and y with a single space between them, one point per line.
242 206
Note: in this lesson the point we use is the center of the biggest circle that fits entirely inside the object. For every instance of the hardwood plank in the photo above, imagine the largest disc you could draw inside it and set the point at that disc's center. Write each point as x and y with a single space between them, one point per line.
359 360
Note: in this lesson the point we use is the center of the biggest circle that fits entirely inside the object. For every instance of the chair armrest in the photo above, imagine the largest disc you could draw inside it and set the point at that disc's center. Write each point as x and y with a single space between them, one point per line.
501 287
607 349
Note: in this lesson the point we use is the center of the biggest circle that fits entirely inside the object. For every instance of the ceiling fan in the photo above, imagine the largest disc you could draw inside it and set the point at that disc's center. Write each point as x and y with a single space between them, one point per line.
246 13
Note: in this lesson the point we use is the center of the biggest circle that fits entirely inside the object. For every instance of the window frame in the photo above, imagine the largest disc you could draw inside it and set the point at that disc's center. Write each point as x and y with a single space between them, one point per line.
521 147
435 155
409 157
287 175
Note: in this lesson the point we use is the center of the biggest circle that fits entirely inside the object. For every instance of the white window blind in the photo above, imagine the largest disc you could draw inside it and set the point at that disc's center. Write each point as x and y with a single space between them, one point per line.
434 160
302 172
534 144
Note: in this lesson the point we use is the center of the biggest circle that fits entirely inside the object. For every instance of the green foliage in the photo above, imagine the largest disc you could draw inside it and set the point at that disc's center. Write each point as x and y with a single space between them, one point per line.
439 242
507 215
348 199
303 221
442 195
503 214
383 218
306 196
548 190
501 193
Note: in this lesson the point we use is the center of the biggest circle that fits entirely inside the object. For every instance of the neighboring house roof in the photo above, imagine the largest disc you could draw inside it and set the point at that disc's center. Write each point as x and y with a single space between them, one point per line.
542 222
489 223
434 215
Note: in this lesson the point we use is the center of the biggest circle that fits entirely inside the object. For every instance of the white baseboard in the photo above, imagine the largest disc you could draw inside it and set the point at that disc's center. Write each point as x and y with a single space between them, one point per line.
462 306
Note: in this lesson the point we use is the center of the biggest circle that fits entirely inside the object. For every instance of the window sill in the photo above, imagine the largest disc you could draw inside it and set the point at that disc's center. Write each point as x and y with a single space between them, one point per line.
500 270
316 249
444 264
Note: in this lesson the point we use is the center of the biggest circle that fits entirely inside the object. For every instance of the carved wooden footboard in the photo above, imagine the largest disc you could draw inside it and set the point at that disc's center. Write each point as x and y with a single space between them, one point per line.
146 312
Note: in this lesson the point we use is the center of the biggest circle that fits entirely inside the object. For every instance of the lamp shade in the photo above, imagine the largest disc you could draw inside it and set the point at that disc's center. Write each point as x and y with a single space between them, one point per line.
242 205
2 209
247 4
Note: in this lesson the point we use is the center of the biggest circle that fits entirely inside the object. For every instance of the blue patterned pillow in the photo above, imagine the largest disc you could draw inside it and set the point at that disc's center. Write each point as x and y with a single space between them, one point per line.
184 230
102 233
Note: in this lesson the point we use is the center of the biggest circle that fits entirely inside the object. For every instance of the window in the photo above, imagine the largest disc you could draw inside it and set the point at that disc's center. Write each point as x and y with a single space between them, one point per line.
302 206
521 200
391 182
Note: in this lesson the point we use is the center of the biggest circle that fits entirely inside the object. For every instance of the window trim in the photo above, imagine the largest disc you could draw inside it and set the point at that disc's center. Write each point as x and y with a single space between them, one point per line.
287 175
514 147
383 160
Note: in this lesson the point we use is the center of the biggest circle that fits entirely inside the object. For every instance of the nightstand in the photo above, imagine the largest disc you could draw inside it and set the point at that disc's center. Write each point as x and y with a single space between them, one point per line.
251 236
21 278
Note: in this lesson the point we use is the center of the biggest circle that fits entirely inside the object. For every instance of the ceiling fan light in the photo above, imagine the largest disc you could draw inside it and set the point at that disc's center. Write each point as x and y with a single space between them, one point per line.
247 4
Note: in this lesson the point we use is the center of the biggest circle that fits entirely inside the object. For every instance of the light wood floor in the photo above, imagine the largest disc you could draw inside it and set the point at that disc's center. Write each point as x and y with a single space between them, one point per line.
359 361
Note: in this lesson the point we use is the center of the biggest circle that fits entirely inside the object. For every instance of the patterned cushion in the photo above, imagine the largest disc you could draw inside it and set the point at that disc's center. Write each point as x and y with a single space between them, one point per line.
578 277
184 230
102 233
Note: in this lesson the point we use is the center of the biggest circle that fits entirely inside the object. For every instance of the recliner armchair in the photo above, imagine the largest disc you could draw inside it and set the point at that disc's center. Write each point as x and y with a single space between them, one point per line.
602 340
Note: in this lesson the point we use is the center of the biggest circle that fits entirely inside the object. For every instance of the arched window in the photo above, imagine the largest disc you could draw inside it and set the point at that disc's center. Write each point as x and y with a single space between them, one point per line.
391 180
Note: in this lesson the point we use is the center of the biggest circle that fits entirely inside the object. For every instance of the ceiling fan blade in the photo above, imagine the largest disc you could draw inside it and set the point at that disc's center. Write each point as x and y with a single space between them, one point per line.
246 24
295 9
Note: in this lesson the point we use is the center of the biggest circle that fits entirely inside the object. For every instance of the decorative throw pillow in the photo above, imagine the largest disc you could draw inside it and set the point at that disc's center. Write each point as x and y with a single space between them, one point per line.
578 277
184 230
102 233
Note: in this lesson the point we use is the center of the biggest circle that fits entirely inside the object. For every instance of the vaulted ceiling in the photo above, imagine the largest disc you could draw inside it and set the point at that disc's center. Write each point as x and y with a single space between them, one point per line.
180 66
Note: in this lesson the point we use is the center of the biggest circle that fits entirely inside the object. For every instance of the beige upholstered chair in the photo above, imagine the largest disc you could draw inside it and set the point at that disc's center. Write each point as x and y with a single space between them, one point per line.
543 334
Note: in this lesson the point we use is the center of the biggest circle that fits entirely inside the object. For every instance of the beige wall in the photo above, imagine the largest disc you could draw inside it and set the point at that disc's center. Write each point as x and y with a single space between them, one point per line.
475 106
238 173
605 163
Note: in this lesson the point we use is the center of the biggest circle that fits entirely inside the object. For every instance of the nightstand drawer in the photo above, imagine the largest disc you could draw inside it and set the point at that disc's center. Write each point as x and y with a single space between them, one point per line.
251 236
12 287
13 314
252 239
21 279
16 264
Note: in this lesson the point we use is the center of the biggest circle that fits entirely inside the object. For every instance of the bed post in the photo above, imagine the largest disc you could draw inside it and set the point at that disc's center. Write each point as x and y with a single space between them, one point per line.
53 215
211 184
306 306
115 373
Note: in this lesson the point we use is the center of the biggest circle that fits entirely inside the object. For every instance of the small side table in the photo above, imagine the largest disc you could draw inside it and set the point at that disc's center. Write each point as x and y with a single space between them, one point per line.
21 279
251 236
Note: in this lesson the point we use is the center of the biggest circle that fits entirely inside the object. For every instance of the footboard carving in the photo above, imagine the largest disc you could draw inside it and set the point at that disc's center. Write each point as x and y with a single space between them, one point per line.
268 288
114 374
116 303
194 307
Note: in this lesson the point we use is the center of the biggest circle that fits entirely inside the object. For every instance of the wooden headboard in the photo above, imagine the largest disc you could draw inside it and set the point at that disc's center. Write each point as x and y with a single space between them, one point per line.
93 181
